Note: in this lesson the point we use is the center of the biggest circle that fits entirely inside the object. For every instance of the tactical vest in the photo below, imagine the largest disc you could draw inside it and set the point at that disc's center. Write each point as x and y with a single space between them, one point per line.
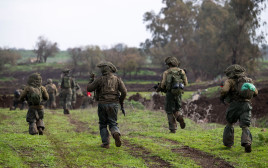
34 96
50 88
66 82
174 80
108 88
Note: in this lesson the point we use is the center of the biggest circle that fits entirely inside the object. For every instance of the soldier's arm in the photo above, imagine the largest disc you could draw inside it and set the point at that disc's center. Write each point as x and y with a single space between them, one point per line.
91 86
123 90
226 88
44 93
163 80
184 78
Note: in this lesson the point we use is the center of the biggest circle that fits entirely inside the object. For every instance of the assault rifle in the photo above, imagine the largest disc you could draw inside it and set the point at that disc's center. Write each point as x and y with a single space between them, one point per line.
123 109
154 87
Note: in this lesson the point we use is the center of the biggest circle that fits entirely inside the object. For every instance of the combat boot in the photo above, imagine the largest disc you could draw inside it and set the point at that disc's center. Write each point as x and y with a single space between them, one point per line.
247 148
172 131
181 121
40 131
107 146
117 139
66 111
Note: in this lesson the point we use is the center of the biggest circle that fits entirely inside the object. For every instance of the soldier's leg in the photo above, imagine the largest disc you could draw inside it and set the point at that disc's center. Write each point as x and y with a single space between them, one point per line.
180 119
112 111
171 122
40 123
244 122
232 115
228 135
103 122
31 119
68 102
170 108
178 115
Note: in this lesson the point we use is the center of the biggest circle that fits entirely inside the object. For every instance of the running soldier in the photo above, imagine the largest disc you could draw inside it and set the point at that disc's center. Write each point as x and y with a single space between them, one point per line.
35 93
110 90
238 90
67 85
173 81
52 91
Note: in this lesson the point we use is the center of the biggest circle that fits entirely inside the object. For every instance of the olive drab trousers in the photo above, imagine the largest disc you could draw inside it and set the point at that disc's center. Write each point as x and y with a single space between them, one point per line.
107 117
66 98
172 108
35 118
238 111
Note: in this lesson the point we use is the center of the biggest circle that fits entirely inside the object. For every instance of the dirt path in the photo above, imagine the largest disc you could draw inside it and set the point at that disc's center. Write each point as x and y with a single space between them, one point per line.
81 126
150 161
203 159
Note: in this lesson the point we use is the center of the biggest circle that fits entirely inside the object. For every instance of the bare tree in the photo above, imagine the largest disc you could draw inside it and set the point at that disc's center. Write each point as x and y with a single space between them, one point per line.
45 49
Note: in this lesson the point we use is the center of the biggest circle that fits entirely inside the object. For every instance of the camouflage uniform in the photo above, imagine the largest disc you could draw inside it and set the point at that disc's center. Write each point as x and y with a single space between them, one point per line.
173 102
110 90
67 84
239 108
16 100
52 91
74 94
34 93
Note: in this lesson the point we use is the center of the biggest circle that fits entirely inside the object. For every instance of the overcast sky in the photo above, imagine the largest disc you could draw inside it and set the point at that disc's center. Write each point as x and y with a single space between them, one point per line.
74 23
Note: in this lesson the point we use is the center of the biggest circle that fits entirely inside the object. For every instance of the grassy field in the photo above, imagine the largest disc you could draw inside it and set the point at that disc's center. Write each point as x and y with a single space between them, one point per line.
73 141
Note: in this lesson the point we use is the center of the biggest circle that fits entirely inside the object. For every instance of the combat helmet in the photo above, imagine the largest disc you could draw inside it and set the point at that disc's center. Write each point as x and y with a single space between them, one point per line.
235 71
49 81
66 71
35 80
109 64
172 60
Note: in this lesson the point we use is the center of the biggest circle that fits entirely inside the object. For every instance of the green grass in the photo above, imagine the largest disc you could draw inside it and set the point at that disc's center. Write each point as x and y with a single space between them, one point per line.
141 82
62 145
211 92
33 67
7 79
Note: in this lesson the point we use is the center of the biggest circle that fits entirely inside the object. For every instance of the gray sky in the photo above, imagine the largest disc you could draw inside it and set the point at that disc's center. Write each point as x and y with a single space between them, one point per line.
73 23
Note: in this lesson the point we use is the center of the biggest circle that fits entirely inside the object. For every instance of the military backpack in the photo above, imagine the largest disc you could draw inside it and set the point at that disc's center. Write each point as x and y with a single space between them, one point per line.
244 88
34 96
174 82
50 88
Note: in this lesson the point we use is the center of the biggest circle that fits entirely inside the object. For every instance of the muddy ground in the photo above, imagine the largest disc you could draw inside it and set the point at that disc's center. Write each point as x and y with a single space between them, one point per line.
207 109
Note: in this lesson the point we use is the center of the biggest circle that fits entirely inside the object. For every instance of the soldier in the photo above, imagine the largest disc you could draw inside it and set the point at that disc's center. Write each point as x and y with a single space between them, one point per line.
16 98
74 94
52 91
67 85
173 81
34 93
240 106
110 90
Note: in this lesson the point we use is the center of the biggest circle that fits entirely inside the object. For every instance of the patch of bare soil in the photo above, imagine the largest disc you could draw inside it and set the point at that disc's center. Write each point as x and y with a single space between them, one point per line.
3 117
80 126
203 159
150 161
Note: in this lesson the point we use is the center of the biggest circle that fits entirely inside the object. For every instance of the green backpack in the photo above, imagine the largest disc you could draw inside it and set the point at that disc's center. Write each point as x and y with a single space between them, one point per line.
34 96
174 81
244 88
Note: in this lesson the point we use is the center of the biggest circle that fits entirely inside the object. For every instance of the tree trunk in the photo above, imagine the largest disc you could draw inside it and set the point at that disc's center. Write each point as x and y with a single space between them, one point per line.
234 56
